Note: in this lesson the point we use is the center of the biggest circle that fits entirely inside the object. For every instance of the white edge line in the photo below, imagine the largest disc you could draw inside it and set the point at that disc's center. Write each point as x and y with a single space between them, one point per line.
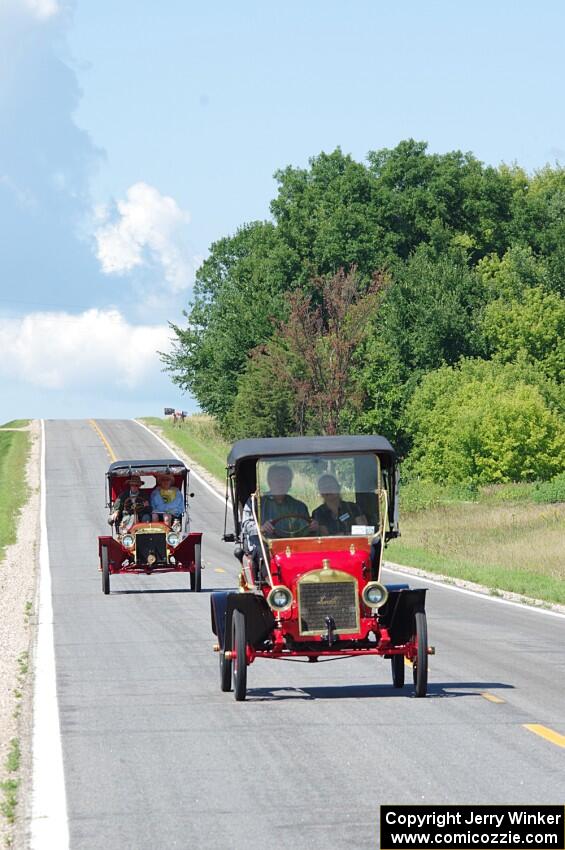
49 823
192 472
477 594
389 569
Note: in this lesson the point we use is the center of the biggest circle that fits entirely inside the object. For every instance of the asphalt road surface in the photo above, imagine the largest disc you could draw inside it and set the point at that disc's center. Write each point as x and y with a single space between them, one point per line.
156 756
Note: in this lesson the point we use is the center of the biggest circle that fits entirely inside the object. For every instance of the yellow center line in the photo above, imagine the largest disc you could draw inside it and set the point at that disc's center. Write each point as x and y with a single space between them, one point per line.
107 445
492 697
408 662
219 570
546 733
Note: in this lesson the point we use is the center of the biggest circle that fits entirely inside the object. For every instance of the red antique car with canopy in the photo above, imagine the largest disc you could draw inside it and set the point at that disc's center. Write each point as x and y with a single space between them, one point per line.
147 536
312 516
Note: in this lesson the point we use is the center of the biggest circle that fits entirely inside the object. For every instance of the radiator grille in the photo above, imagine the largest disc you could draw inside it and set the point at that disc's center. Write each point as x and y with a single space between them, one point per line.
336 599
154 543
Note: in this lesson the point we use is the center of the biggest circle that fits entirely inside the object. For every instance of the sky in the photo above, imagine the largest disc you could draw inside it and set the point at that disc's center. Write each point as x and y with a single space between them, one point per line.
135 134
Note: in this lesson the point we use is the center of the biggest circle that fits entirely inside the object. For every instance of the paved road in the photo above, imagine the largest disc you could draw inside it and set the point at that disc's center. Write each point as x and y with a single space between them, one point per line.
157 757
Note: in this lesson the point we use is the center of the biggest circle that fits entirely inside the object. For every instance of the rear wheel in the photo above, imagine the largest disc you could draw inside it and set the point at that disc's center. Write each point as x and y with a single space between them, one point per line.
398 669
196 576
105 570
420 666
239 658
225 672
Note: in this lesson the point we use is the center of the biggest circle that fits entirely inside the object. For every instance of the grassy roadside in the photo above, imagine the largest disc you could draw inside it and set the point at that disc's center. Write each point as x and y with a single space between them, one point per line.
507 538
199 438
510 537
16 423
14 450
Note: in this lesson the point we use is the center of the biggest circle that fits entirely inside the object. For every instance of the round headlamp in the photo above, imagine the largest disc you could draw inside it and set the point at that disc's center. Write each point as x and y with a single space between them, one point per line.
173 538
279 598
128 541
374 594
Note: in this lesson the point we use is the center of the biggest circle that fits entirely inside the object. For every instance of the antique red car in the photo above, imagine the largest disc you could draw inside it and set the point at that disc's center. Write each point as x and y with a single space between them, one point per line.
312 516
149 518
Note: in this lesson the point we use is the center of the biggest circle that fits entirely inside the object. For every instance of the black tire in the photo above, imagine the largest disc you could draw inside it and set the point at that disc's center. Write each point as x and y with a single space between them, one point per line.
196 576
420 666
105 570
225 672
239 660
398 670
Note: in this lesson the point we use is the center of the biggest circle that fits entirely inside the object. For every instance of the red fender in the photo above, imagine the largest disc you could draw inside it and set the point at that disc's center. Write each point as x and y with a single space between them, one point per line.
116 552
184 552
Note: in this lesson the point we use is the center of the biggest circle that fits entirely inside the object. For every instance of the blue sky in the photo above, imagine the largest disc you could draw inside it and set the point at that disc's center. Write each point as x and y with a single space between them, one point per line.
134 134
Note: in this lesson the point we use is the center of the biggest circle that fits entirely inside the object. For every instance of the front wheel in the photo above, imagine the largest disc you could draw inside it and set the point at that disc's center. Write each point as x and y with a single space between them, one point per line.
398 669
225 672
105 570
239 657
196 576
420 666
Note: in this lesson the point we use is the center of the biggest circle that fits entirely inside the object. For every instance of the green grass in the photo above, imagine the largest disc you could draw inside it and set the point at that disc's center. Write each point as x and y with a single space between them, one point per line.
503 538
14 449
9 787
16 423
200 438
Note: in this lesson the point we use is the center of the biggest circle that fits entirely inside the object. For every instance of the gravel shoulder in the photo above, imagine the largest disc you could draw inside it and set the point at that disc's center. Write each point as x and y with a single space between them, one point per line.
18 591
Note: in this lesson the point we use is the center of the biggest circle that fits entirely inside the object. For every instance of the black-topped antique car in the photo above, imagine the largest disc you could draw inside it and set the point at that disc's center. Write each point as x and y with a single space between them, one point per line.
149 518
312 516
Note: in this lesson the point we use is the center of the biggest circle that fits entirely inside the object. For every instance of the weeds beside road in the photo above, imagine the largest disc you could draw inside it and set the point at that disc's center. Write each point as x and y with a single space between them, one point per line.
19 526
14 449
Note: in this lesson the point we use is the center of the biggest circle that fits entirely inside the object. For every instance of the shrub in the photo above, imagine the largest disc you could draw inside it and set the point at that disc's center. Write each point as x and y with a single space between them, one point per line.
480 422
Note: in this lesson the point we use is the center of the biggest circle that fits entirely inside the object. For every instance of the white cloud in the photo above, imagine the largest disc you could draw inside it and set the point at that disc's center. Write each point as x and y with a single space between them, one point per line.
145 229
42 9
94 348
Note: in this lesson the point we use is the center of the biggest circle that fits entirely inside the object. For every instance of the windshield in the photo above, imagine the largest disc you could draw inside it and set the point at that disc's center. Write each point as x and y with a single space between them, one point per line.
326 496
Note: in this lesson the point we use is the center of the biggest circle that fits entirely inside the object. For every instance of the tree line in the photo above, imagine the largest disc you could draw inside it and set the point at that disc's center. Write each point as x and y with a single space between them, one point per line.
415 295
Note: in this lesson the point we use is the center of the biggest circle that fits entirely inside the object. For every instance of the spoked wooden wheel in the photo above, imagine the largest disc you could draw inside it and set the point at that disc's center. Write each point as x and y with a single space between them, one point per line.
420 666
196 576
239 658
398 669
105 570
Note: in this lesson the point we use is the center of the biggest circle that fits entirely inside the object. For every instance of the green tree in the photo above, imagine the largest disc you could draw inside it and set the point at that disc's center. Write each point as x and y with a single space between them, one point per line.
484 422
429 317
266 404
238 293
300 382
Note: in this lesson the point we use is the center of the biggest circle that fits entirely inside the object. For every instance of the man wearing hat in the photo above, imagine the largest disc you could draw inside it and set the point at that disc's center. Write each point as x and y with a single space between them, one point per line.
166 500
130 506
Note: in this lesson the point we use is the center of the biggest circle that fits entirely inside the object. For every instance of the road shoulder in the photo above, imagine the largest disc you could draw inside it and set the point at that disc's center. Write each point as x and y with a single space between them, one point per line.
18 610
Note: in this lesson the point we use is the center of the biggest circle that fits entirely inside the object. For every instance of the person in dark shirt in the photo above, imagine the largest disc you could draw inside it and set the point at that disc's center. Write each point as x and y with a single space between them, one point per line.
336 516
130 506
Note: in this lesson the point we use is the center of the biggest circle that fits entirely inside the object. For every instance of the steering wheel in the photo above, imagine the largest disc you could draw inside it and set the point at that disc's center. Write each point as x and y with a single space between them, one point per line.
137 503
297 532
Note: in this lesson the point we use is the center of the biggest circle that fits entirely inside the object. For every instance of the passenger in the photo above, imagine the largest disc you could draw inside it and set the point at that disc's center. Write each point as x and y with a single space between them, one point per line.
335 516
167 502
131 506
281 515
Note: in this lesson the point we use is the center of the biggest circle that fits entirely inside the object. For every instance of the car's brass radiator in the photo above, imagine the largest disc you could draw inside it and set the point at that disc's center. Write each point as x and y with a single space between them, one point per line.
328 593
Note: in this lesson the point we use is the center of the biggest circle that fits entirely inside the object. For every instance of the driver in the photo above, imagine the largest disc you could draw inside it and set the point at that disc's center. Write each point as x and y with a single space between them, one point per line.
281 515
129 505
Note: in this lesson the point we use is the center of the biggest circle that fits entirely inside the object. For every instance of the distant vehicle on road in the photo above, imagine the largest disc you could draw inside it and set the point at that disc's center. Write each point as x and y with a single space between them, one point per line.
312 516
149 517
